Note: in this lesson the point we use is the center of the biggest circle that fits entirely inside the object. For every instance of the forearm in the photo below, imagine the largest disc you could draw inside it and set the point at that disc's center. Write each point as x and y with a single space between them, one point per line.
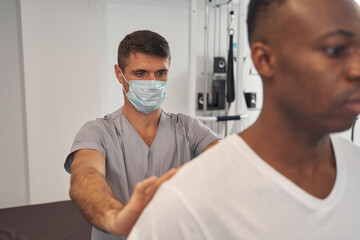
91 193
94 197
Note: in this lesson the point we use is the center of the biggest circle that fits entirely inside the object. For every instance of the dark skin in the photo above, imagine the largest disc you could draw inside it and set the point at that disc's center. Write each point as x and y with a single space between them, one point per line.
311 77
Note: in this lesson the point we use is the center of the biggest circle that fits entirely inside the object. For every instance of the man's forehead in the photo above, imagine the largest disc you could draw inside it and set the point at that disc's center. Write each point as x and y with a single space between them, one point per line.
317 17
145 62
323 10
138 56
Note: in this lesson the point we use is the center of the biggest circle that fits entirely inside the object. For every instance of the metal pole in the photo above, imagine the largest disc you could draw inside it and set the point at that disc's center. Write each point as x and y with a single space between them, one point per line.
206 46
192 98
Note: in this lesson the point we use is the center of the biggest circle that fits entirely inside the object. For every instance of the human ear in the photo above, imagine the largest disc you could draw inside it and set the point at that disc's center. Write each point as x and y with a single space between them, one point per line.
263 59
118 73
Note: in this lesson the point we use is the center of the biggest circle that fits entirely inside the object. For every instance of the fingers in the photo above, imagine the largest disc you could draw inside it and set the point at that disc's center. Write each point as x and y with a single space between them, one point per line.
166 176
142 186
152 189
149 186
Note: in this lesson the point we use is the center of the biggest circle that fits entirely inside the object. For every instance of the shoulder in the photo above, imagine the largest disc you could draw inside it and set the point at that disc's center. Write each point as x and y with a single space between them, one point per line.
197 132
102 125
186 195
184 120
177 117
168 201
98 124
192 193
114 115
212 165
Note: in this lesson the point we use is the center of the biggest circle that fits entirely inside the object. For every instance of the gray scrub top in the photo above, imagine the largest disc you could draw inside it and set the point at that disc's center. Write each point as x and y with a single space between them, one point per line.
129 160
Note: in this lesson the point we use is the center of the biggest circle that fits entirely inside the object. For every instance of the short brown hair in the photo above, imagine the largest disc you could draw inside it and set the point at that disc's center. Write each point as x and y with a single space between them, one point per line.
142 41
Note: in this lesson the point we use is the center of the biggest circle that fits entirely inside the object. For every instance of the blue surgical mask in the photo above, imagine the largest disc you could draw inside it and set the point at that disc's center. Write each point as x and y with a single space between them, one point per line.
145 95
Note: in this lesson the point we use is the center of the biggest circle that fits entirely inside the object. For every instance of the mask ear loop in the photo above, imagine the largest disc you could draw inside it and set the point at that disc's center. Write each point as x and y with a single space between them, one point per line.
125 81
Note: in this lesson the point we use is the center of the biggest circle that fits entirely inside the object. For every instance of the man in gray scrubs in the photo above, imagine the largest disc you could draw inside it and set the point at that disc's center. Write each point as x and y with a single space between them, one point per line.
117 162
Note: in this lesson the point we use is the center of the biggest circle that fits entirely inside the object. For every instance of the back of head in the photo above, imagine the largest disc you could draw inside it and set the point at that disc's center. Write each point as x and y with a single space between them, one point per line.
260 12
145 42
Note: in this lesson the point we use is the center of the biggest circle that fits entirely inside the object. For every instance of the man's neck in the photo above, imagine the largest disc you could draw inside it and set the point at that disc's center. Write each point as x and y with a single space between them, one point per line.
296 153
141 119
146 125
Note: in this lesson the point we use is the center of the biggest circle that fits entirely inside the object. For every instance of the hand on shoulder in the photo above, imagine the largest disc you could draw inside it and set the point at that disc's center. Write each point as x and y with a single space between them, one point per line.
144 191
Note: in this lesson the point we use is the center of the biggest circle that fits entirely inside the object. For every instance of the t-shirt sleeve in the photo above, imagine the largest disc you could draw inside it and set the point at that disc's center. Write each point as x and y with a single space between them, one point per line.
168 216
91 136
200 136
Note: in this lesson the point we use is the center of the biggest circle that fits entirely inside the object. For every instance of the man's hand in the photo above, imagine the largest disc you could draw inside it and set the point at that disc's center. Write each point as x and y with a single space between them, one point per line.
125 219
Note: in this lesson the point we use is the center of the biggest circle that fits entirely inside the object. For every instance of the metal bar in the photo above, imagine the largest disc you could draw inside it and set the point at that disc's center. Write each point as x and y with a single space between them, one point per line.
192 98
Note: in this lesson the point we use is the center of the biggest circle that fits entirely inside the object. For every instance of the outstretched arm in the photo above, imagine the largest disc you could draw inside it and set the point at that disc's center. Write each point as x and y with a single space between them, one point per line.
94 197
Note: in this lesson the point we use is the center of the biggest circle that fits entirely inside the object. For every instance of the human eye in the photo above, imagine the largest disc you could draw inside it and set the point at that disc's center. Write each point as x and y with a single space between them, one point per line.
161 74
139 74
336 50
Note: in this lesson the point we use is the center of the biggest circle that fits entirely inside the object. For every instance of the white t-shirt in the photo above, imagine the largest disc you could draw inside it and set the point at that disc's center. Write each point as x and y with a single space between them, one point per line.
229 192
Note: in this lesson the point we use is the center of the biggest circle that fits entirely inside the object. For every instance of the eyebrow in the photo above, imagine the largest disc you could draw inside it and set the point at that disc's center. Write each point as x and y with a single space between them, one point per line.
339 32
162 70
138 70
144 70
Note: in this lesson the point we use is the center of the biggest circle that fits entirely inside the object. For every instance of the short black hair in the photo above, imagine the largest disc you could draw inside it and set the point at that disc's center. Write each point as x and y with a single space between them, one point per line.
142 41
256 12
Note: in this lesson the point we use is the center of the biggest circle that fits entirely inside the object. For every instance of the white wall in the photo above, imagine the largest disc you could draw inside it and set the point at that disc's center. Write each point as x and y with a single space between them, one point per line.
62 81
13 171
170 19
69 49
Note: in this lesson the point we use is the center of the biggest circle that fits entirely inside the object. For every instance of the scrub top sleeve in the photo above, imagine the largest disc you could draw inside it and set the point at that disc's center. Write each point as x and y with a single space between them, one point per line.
91 136
200 136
